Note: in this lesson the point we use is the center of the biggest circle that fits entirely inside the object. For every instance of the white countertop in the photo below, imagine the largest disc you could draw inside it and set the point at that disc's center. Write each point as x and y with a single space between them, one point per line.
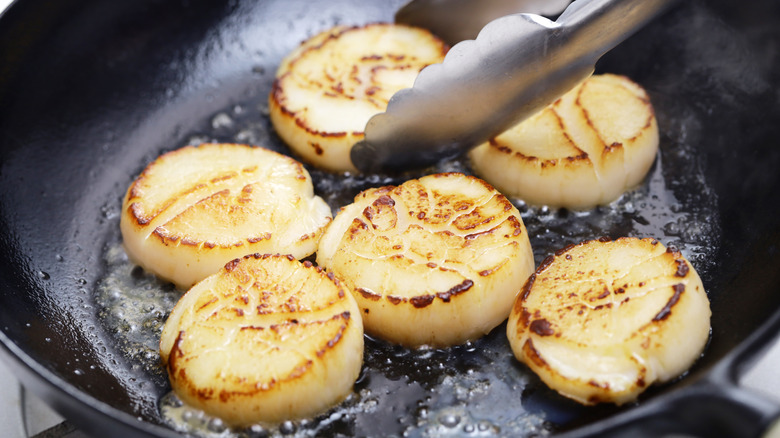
22 414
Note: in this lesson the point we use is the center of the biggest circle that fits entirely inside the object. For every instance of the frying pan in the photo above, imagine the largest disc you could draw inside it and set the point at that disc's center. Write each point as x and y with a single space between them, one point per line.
91 91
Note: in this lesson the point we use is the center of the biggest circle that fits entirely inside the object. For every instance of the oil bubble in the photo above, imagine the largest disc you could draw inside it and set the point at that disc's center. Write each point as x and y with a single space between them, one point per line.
449 420
222 121
216 425
246 137
196 140
257 431
287 428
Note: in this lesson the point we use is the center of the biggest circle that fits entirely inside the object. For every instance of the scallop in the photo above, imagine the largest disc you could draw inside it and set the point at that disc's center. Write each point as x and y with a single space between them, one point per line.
583 150
264 340
194 209
328 88
602 320
436 261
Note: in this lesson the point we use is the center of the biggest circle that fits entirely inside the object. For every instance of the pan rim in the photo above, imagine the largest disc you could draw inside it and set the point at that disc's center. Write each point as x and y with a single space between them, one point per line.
58 392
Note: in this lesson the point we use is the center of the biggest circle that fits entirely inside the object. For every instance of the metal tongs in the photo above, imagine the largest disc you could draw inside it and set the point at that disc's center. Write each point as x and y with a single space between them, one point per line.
516 66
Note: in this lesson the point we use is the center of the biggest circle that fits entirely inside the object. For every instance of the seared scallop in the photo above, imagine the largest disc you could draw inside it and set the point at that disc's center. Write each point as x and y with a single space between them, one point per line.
586 149
436 261
266 339
602 320
328 88
196 208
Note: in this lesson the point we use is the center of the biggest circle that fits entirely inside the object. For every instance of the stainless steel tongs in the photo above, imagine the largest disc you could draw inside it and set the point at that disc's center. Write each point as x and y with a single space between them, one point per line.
518 64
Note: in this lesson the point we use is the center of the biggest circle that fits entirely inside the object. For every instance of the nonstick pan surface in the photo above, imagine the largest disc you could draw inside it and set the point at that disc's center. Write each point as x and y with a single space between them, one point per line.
91 91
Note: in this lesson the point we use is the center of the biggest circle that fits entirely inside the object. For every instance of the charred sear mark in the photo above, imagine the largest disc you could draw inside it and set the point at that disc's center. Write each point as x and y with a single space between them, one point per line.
458 289
541 327
529 284
533 355
565 249
667 309
368 213
422 301
345 318
369 295
523 320
682 268
231 265
317 148
395 300
384 200
259 238
600 385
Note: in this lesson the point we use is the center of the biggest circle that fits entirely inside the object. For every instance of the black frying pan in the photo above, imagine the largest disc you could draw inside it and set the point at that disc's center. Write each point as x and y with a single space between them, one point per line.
91 91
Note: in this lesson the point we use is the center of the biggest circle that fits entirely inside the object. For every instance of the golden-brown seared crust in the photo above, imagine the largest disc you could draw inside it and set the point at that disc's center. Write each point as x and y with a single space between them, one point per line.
582 150
601 320
326 90
266 339
434 261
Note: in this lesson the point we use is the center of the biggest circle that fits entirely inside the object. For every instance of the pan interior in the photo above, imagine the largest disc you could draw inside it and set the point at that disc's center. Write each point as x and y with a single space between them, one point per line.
82 115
